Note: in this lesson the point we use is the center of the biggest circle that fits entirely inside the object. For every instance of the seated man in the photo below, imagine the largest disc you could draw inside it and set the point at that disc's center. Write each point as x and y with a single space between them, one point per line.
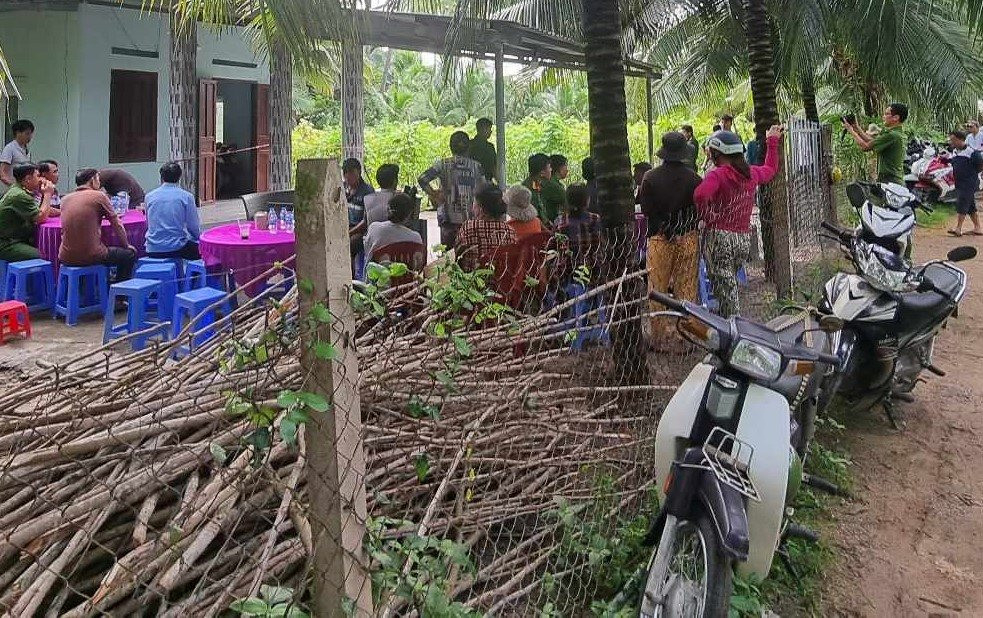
478 238
382 233
82 212
115 180
173 227
20 214
49 171
377 204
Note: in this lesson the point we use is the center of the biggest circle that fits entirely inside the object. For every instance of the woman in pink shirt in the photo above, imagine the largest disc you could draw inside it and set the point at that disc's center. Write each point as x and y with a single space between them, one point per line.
725 200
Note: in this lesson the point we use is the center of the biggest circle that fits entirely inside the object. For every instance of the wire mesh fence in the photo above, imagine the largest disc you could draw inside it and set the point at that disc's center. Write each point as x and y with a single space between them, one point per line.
447 442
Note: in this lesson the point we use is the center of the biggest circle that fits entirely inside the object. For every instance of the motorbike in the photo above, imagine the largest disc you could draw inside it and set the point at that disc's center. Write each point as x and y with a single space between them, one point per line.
892 313
931 177
729 455
886 214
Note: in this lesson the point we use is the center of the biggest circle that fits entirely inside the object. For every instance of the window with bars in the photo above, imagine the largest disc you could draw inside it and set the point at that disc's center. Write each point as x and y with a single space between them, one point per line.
132 117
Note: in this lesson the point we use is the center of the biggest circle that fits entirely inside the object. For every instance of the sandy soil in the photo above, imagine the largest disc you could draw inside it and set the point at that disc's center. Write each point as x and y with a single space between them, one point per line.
911 542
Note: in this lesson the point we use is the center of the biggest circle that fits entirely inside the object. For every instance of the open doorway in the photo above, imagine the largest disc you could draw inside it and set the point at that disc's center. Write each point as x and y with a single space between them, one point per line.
235 134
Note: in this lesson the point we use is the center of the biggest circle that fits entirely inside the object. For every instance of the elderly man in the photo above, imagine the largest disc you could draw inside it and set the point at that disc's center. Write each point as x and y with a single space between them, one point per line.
20 214
82 212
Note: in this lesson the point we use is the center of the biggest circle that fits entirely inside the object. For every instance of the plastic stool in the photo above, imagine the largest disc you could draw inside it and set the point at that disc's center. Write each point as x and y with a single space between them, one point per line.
167 273
152 261
3 278
195 275
81 290
14 319
190 305
32 282
139 293
585 331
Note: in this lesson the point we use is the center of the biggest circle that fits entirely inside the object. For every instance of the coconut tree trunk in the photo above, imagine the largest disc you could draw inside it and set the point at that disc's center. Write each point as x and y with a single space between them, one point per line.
281 117
808 85
184 101
773 198
608 114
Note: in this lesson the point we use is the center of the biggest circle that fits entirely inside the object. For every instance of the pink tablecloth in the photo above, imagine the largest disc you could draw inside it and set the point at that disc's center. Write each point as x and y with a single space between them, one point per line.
222 248
135 222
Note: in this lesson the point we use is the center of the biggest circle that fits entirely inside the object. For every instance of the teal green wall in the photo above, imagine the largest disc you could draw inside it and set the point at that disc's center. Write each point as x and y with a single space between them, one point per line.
41 49
62 63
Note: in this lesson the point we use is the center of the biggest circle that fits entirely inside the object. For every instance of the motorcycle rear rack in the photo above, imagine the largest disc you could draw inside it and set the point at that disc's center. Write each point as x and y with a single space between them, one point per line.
729 458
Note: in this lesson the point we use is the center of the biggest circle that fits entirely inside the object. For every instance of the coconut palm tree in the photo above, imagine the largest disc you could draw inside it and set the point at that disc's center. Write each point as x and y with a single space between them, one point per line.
853 53
8 88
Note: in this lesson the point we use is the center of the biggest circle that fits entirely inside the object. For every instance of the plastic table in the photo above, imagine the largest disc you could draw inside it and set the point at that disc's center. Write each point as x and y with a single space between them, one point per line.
223 249
134 222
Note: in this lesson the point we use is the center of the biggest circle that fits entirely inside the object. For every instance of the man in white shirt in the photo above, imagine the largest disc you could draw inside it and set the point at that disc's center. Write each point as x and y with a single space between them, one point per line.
382 233
15 153
974 139
377 204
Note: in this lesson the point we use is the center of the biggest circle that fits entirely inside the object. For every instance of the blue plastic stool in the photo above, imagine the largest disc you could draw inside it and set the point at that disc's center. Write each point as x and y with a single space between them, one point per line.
145 261
167 273
195 275
189 305
81 290
586 331
3 279
139 293
32 282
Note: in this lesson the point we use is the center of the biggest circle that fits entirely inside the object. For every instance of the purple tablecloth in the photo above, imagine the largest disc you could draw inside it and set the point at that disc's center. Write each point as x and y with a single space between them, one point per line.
135 222
222 248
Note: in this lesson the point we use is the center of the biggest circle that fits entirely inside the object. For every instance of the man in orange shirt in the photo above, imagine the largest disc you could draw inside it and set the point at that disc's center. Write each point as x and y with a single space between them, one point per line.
82 212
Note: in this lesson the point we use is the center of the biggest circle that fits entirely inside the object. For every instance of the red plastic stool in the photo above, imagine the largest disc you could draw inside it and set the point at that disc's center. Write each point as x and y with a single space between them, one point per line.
14 319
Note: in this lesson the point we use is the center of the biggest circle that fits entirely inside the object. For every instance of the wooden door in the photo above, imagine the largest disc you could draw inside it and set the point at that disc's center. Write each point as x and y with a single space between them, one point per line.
207 97
262 133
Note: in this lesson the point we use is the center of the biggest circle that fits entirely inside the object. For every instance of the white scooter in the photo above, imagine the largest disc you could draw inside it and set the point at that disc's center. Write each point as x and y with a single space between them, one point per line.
729 451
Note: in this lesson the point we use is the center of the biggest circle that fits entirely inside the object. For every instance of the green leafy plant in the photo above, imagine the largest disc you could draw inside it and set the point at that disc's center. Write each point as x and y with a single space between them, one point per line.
424 583
272 602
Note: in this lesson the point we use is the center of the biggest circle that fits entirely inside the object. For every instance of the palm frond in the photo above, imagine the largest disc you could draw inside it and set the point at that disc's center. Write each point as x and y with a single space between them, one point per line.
8 89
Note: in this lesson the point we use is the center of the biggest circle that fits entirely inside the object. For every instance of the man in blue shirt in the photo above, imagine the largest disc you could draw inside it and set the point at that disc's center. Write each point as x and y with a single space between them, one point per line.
173 227
966 167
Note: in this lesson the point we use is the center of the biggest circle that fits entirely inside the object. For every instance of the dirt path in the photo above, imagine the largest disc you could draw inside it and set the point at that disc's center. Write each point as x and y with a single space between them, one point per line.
911 543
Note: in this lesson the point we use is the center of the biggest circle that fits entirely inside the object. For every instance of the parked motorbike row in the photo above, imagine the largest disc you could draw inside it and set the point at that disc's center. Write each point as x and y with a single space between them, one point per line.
731 445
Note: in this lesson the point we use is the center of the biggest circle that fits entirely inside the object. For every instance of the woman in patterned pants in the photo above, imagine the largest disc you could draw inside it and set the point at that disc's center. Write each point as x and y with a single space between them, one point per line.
725 200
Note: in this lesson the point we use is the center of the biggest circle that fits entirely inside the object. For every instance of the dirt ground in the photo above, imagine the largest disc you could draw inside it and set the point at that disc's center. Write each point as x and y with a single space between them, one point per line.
911 542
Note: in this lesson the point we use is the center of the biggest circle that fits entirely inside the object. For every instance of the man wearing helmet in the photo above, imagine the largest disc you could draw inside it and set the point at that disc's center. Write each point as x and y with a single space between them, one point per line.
725 200
889 144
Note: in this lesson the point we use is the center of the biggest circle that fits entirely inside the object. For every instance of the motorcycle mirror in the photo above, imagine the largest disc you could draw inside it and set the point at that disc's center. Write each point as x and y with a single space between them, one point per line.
961 254
830 324
856 194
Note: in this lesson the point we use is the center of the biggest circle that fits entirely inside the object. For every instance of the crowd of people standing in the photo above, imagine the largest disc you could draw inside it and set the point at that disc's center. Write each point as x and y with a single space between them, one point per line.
688 216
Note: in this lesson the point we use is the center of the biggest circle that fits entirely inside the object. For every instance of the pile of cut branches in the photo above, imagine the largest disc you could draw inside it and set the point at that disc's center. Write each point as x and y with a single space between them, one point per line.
137 484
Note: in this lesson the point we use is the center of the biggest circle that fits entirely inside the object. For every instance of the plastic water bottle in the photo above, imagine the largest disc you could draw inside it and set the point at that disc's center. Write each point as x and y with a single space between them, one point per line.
288 220
124 201
272 221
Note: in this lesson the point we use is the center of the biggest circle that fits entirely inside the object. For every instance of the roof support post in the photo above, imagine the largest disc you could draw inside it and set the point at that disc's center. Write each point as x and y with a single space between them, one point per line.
648 118
500 113
352 99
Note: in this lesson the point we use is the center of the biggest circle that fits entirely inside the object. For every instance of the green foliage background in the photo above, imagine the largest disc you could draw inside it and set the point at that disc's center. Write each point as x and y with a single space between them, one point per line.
414 146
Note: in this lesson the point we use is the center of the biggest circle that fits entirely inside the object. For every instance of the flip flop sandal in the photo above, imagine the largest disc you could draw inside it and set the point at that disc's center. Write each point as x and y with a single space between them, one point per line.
954 233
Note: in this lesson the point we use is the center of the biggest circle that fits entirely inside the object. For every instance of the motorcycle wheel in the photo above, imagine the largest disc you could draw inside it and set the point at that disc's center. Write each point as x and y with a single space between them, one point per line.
699 580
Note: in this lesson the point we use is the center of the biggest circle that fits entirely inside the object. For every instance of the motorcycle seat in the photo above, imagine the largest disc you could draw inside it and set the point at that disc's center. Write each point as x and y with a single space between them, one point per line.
944 278
918 311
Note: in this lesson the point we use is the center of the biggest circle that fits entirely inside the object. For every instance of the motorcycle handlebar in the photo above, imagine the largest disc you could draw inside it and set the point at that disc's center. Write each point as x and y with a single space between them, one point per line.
830 359
668 301
840 233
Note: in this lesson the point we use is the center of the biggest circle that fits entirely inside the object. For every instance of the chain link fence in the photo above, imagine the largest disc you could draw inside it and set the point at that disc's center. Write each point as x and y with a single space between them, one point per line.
442 443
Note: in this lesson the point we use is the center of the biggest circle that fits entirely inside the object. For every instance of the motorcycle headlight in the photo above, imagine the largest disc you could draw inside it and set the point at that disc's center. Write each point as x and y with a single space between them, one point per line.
756 360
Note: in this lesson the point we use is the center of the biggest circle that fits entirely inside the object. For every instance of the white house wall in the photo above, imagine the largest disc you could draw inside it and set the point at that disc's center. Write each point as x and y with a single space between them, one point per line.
41 48
63 61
